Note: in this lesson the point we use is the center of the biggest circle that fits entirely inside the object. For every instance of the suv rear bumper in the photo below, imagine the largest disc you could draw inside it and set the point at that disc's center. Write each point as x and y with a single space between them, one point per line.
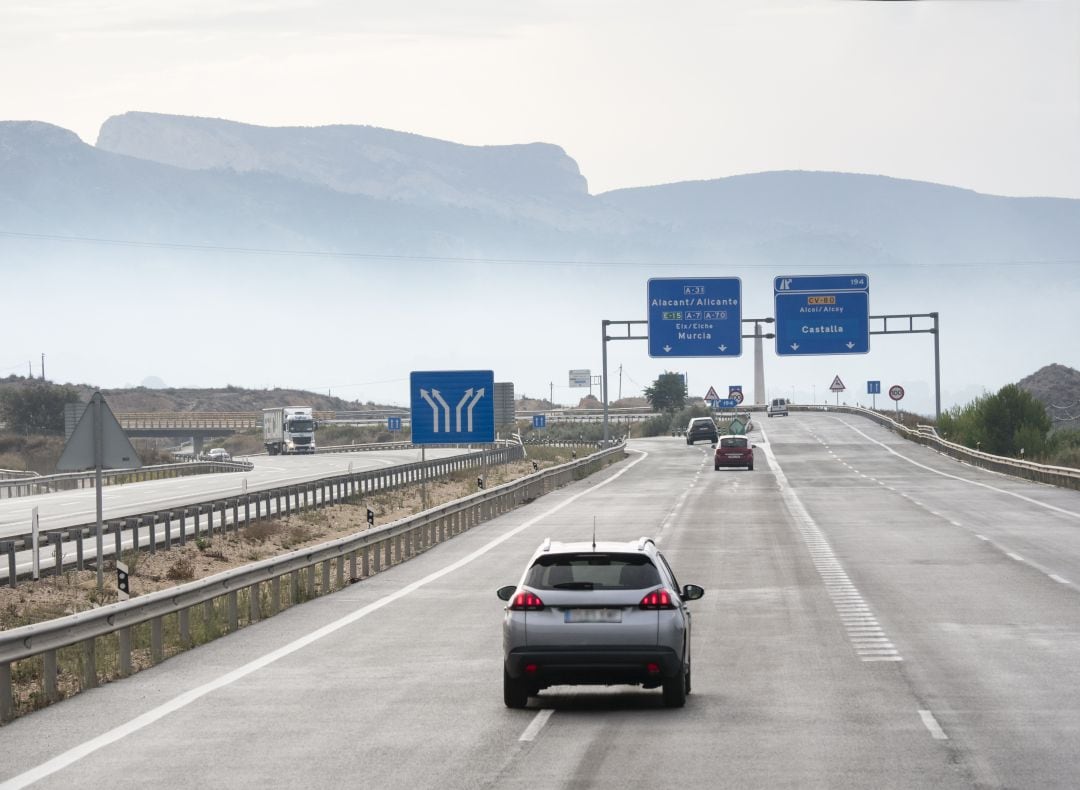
568 665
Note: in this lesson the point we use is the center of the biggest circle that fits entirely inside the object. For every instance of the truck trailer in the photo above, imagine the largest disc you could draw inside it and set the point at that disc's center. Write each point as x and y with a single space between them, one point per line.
290 430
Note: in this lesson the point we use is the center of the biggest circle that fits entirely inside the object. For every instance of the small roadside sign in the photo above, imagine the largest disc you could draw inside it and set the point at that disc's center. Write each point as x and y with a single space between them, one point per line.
837 385
896 392
123 590
736 395
711 394
737 426
727 403
873 388
539 421
393 423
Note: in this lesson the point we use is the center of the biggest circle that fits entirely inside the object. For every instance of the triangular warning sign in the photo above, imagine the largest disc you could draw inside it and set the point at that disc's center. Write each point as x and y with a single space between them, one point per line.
116 450
711 394
837 385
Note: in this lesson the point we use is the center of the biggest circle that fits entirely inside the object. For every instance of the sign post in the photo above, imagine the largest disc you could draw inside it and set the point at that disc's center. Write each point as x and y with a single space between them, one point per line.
98 442
837 386
896 392
873 388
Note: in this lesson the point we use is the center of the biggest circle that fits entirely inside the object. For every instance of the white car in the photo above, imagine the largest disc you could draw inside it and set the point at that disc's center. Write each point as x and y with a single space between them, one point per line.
597 613
218 454
777 408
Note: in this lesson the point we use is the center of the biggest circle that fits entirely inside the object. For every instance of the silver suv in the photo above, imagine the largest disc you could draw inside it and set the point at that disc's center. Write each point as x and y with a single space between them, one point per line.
597 613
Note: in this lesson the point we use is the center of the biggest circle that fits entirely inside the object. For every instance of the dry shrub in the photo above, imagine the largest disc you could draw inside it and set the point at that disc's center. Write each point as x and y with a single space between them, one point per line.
181 570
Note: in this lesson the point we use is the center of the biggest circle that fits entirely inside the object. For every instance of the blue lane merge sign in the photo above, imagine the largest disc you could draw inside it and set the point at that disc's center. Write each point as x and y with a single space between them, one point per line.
873 388
452 406
393 423
822 314
698 317
539 421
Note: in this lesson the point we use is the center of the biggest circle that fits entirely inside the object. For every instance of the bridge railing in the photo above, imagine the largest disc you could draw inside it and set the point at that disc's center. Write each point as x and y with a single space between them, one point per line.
69 481
147 530
226 601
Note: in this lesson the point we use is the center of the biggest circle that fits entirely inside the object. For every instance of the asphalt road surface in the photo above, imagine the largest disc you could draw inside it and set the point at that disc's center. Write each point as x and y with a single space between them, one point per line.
875 616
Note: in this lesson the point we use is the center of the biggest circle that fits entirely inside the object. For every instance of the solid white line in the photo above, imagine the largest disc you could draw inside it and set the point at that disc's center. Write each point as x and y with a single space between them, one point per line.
1056 509
1012 556
87 748
536 724
1058 579
931 723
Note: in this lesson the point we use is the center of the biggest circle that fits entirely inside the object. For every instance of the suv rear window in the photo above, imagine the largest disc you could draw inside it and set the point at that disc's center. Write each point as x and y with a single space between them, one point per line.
592 571
733 442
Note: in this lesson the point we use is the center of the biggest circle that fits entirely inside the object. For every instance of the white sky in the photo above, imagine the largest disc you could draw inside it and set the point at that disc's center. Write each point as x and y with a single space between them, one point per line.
980 94
973 93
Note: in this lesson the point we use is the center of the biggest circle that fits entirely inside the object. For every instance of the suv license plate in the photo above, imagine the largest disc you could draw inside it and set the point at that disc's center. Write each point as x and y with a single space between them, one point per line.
593 616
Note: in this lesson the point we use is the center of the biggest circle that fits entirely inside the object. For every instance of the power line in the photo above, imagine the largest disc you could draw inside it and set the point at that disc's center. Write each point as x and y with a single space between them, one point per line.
505 261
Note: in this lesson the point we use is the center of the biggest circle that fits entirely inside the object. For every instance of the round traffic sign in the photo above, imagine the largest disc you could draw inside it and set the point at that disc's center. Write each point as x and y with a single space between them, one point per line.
896 392
736 395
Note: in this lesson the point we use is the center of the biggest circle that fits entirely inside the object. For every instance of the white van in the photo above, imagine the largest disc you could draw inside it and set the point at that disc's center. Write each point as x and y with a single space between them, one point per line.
778 408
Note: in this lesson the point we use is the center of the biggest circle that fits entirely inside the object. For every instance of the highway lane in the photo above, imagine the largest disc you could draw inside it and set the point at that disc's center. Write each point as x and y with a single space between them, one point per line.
848 638
67 508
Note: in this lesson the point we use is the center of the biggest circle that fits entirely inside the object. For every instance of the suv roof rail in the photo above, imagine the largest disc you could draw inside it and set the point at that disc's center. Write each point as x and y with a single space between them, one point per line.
643 540
546 545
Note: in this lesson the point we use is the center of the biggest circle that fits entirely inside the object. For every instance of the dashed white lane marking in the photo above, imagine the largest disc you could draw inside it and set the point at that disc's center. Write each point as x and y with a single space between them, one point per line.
931 724
849 604
1054 508
536 725
1058 579
180 701
1013 556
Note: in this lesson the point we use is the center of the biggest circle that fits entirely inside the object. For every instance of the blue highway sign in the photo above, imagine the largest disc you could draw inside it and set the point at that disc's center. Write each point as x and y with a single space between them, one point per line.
698 317
873 388
539 421
393 423
727 403
452 406
822 314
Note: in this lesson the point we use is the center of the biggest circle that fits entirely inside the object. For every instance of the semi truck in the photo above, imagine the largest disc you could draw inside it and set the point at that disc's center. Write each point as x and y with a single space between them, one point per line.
290 430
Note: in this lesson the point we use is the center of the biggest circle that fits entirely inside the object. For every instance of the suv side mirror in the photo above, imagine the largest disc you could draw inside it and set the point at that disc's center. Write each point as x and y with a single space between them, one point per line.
506 592
692 592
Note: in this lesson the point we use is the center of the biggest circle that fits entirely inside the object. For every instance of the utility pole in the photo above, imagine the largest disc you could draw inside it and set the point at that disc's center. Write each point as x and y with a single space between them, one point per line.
551 393
620 382
42 367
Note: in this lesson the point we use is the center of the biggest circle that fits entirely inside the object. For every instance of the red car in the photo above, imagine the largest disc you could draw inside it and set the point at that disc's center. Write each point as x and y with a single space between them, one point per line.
734 451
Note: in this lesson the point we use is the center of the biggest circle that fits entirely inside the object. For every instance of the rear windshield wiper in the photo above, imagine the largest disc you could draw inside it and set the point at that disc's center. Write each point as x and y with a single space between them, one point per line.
574 586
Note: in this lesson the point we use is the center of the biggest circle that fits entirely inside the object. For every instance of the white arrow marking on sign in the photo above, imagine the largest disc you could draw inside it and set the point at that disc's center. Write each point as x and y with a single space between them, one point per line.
461 403
722 348
445 405
434 410
850 344
476 399
667 348
794 346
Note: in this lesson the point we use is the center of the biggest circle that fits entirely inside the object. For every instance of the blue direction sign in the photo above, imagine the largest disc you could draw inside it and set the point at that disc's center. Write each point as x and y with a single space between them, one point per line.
873 388
452 406
539 420
699 317
822 314
393 423
727 403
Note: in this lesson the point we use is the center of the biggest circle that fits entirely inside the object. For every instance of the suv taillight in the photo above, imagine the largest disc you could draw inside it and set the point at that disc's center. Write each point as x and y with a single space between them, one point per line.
657 599
526 601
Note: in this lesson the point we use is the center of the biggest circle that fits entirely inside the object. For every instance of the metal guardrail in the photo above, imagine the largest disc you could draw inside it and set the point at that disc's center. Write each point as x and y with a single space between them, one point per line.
1062 476
15 474
69 481
148 530
256 590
